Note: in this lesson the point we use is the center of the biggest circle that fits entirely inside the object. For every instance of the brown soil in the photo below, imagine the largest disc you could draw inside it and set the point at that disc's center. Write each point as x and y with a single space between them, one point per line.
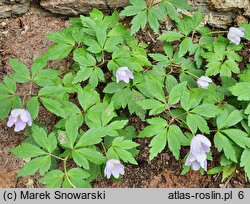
24 39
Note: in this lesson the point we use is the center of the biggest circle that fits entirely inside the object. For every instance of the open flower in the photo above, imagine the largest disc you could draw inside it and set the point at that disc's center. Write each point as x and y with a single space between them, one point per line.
203 82
20 118
113 167
200 145
235 35
124 74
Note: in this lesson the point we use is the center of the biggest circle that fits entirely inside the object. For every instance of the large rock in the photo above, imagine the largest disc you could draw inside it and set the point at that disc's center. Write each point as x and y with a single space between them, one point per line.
73 7
117 3
9 7
223 13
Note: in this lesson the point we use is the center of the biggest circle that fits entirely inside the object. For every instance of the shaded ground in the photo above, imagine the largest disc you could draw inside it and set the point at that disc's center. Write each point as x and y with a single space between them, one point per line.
24 38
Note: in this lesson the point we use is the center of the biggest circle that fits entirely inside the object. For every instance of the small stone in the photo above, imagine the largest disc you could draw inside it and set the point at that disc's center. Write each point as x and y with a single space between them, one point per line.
3 24
241 20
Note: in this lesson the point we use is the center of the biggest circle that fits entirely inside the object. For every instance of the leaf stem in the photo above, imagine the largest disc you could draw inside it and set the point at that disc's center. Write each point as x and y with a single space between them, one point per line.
104 149
220 31
57 157
66 172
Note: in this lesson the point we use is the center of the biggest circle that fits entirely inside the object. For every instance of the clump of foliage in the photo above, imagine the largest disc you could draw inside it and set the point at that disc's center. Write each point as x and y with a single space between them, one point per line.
195 87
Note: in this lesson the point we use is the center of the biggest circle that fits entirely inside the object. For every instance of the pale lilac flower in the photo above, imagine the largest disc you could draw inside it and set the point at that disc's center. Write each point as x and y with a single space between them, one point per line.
113 167
196 165
200 145
203 82
124 74
235 35
20 118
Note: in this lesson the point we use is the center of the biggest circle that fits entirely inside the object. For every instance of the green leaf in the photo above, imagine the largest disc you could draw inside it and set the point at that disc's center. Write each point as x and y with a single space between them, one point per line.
5 107
91 137
87 97
170 36
156 89
134 9
123 144
101 35
226 120
38 64
207 110
228 171
71 127
10 85
241 90
79 159
153 19
41 163
61 38
156 127
46 77
22 73
182 4
245 161
139 21
173 141
170 82
53 106
82 75
117 125
154 106
172 12
52 179
158 143
176 92
40 136
84 58
59 51
195 121
92 155
26 150
77 176
125 155
223 143
33 107
52 91
184 47
238 136
215 170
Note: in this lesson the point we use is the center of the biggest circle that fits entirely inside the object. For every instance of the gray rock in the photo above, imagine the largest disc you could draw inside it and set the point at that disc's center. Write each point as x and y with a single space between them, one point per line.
73 7
117 3
6 9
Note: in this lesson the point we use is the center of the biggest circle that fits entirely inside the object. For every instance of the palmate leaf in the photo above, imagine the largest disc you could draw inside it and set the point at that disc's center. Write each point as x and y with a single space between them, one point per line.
245 161
87 97
241 90
121 148
26 150
53 179
78 178
62 37
223 143
154 106
170 36
158 143
22 73
226 120
49 143
33 107
195 122
59 51
42 164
